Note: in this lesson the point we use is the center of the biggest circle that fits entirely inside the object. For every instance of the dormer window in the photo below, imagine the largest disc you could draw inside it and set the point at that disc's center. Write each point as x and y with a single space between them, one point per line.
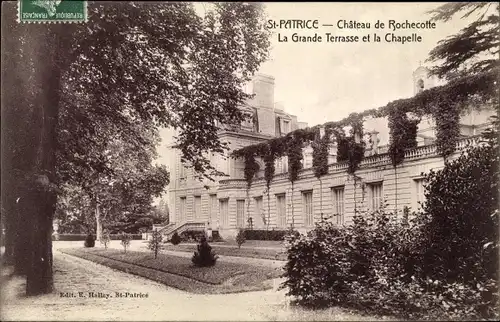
250 121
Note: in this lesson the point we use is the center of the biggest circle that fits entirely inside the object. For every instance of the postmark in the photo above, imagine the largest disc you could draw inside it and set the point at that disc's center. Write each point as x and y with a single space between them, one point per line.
52 11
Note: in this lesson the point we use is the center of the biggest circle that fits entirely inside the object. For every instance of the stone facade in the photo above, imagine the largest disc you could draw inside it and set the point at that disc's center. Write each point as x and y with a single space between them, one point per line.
227 205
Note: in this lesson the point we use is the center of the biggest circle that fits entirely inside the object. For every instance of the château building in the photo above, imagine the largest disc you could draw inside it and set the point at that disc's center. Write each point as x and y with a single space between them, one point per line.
227 205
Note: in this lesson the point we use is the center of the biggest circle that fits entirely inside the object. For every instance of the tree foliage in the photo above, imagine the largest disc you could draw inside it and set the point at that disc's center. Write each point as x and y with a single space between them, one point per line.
476 47
461 206
132 67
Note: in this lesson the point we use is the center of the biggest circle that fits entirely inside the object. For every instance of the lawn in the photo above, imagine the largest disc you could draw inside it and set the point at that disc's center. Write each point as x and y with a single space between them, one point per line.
178 272
265 253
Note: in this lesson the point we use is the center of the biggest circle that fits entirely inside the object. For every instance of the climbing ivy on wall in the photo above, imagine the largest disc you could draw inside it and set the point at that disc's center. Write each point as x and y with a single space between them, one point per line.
444 103
251 168
295 157
447 118
403 135
320 147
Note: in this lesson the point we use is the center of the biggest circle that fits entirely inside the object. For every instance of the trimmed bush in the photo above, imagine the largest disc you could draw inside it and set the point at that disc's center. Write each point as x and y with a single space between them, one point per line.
192 235
132 236
276 235
205 256
175 239
89 241
216 237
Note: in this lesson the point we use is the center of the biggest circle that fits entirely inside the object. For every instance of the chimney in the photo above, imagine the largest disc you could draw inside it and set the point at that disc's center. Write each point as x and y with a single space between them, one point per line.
263 88
263 101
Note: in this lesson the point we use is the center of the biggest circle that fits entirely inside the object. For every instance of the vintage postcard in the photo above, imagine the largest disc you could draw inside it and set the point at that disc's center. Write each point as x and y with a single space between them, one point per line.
260 161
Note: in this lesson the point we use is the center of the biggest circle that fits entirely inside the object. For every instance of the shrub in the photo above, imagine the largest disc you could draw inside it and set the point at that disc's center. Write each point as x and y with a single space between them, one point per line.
192 235
125 241
175 239
240 237
276 235
216 237
205 256
132 236
370 266
154 243
89 241
105 239
82 237
461 228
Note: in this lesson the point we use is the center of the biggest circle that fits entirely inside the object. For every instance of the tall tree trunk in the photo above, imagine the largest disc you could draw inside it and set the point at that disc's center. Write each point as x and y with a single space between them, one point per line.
98 228
8 222
39 277
21 226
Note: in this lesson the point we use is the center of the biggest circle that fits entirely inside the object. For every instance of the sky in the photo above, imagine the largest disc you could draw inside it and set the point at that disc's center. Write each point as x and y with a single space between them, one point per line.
322 82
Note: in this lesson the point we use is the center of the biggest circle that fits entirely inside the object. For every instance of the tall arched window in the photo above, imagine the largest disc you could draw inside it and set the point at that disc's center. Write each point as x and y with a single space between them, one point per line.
420 85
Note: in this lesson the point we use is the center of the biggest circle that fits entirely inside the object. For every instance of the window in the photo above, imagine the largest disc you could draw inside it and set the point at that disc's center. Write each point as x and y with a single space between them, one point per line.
376 196
281 164
284 164
258 210
212 208
419 192
281 210
308 160
197 207
224 214
183 172
240 213
286 127
338 204
182 207
420 85
307 197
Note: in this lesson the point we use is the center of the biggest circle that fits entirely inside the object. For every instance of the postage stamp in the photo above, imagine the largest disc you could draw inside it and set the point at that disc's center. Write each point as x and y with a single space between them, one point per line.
52 11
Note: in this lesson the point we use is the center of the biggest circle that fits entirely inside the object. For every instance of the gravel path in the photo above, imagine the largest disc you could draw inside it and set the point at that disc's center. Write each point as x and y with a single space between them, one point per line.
77 276
74 275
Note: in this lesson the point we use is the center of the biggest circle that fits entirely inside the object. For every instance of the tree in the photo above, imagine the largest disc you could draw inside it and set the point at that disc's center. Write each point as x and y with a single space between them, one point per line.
125 241
155 244
475 48
105 239
143 64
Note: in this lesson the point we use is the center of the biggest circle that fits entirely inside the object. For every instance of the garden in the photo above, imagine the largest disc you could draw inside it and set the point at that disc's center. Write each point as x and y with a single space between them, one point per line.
201 274
441 264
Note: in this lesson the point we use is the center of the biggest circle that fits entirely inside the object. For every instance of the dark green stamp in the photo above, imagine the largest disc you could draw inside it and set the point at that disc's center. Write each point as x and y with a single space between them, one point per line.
52 11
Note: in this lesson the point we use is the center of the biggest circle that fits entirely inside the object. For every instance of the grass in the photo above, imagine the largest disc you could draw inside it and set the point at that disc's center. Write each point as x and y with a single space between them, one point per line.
269 253
178 272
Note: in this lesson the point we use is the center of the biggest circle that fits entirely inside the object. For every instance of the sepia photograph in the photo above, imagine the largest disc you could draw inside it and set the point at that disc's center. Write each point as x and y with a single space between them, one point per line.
249 161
